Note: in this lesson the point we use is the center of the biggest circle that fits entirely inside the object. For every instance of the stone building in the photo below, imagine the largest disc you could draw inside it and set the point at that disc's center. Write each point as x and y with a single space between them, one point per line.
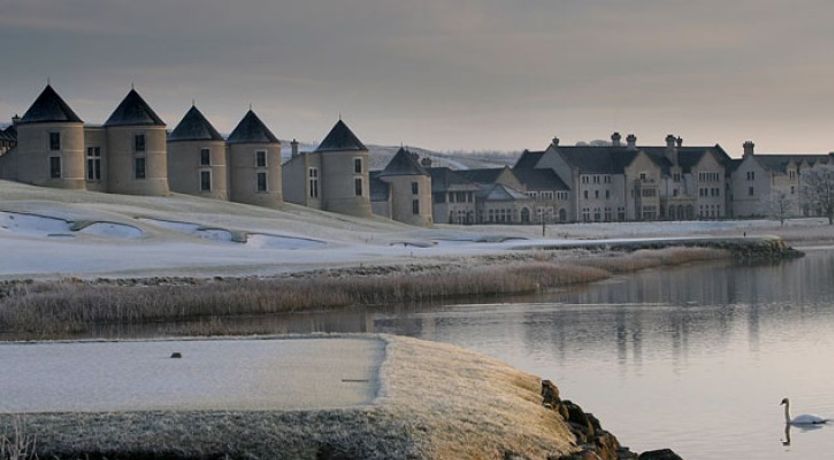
453 197
402 191
334 177
197 158
254 163
55 149
761 183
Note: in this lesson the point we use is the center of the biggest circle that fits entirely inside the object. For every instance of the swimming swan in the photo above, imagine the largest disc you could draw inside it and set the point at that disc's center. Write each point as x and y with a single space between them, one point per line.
804 419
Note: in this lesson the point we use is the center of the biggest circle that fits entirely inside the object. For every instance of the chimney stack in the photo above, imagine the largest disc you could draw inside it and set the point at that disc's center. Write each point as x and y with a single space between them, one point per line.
426 162
615 139
556 141
631 142
679 141
672 149
15 119
749 146
294 145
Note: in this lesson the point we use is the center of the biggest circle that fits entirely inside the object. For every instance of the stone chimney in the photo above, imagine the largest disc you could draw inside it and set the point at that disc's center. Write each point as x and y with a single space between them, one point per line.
555 141
631 142
15 119
294 145
615 139
426 162
672 149
749 147
679 141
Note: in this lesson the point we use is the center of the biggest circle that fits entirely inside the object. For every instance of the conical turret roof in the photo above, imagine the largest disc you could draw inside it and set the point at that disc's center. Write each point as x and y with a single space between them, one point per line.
251 130
194 127
134 111
404 163
340 138
49 107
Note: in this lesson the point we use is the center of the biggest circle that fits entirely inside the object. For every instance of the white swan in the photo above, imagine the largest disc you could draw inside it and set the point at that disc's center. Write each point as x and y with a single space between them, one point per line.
804 419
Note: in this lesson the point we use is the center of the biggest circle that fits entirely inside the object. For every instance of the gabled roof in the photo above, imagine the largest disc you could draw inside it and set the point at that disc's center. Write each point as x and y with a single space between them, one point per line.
49 107
11 131
779 162
500 192
404 163
540 179
380 190
444 179
591 159
688 156
194 127
134 111
528 160
481 176
251 130
340 138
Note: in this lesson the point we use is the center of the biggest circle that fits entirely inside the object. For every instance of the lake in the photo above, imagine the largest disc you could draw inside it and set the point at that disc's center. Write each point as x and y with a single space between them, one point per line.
695 358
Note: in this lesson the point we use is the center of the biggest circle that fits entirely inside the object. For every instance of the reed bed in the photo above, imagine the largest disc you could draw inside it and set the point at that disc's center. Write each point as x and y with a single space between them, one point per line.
44 309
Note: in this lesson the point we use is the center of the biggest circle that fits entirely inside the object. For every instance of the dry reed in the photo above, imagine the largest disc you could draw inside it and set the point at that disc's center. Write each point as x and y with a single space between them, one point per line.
68 306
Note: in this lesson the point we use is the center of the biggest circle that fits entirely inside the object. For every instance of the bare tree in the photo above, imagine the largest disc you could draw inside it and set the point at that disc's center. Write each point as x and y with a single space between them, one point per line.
780 206
818 190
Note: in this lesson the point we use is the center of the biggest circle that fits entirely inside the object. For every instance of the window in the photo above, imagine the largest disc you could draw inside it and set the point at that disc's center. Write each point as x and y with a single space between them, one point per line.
54 141
751 175
205 181
357 165
415 188
597 215
205 157
357 186
621 214
607 195
596 194
261 182
675 192
642 176
93 163
313 178
676 177
55 167
260 159
608 214
139 143
139 168
415 206
586 214
750 191
586 194
793 189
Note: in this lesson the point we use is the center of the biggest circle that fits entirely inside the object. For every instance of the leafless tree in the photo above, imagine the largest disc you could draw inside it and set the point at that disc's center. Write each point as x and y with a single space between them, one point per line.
780 206
818 190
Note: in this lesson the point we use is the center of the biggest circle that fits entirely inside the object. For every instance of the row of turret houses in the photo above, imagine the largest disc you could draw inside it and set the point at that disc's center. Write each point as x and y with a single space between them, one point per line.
133 153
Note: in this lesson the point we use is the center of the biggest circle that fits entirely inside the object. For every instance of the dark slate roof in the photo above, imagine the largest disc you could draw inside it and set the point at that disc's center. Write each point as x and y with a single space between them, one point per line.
11 131
404 163
500 192
444 179
340 138
688 156
49 107
380 190
481 176
528 160
540 179
597 159
251 130
779 162
134 111
194 127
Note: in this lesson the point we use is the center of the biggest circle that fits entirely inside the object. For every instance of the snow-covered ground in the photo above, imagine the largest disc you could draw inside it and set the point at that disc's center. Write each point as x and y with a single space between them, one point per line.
55 233
254 374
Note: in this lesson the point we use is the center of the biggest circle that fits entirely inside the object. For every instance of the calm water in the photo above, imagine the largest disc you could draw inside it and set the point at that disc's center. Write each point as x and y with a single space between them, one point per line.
694 358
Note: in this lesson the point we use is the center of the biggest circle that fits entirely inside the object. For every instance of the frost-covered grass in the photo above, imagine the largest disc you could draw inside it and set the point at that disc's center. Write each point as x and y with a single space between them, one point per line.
435 401
47 308
17 444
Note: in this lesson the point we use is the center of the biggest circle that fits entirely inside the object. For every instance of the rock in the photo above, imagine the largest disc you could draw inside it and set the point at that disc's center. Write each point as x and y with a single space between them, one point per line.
550 394
176 355
662 454
585 454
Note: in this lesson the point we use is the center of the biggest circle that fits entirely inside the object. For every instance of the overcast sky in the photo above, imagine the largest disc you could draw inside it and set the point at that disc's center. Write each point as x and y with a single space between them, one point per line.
443 74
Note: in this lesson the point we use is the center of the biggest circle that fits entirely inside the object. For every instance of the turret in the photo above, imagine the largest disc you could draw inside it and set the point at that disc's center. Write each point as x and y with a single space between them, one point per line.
345 179
50 144
410 189
137 156
197 158
254 163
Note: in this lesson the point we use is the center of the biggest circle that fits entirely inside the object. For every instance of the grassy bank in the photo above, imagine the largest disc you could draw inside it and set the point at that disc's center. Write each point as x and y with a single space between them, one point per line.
60 308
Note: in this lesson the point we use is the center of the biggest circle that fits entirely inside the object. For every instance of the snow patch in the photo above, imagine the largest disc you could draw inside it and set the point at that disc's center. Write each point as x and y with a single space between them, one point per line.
266 241
112 230
191 229
33 225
